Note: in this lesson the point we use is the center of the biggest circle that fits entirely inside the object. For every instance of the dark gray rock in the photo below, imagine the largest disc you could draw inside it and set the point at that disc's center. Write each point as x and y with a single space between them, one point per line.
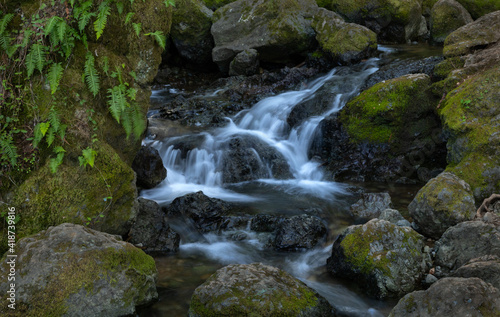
370 205
446 17
152 231
451 297
300 233
245 63
71 270
394 217
265 223
149 167
486 268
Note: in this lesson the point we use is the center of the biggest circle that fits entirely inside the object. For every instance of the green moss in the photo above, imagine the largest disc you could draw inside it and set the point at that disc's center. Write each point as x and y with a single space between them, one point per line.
443 69
215 4
478 8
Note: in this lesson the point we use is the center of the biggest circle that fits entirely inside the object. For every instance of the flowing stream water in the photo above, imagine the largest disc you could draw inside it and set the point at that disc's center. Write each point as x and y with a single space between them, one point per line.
199 169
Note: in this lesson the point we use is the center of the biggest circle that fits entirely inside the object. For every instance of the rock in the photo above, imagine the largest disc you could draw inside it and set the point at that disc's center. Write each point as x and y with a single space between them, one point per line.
206 213
343 42
256 289
478 34
152 231
265 223
464 242
300 233
486 268
430 279
451 297
216 4
442 203
149 168
191 23
248 158
70 270
446 17
394 217
479 8
278 30
385 260
370 205
245 63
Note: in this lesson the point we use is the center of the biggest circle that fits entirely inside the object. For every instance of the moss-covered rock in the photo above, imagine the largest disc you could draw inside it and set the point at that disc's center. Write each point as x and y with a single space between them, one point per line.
70 270
442 203
443 69
256 290
346 42
446 17
478 8
216 4
385 260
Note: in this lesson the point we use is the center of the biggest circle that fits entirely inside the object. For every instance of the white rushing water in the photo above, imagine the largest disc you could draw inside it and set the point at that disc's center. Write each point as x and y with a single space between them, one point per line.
200 169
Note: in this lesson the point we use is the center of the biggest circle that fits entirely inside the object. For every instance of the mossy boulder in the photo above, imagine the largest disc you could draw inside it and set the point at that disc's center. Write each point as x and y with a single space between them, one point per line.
344 42
486 268
446 17
478 8
385 260
451 297
473 36
216 4
279 30
470 118
442 203
70 270
191 23
256 290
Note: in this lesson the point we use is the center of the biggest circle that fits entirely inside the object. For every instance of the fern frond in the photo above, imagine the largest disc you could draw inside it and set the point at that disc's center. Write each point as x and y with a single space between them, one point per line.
61 31
55 75
102 17
128 17
51 24
9 149
119 7
137 28
36 58
84 20
26 39
159 37
131 93
54 119
117 102
50 136
91 76
127 120
89 156
55 162
5 21
37 136
139 122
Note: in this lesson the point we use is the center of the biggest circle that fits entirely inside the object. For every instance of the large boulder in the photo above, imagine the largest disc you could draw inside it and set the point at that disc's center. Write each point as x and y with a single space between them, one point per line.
279 30
300 233
370 205
442 203
478 8
70 270
385 260
451 297
486 268
446 17
344 42
256 290
149 168
245 63
464 242
191 23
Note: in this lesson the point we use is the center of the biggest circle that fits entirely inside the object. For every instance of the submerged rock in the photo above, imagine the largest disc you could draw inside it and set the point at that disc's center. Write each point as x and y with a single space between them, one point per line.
385 260
442 203
451 297
70 270
446 17
370 205
256 290
300 233
149 168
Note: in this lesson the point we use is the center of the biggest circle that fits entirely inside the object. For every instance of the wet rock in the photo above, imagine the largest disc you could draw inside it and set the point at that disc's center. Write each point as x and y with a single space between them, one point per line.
245 63
152 231
370 205
486 268
265 223
248 158
394 217
442 203
256 289
385 260
446 17
451 297
464 242
204 212
71 270
149 168
479 8
300 233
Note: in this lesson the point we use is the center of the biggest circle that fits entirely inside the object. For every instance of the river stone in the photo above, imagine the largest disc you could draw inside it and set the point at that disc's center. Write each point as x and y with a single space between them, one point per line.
300 233
279 30
344 42
152 231
205 213
486 268
451 296
149 168
394 217
256 290
370 205
468 38
245 63
464 242
265 223
71 270
385 260
442 203
446 17
190 33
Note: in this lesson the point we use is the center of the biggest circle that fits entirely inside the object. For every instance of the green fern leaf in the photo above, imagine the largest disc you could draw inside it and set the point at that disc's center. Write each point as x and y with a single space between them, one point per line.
119 7
35 58
50 136
54 119
9 149
132 93
37 136
139 122
169 3
55 162
84 20
55 75
127 120
128 17
137 28
61 30
52 23
159 37
102 17
26 38
105 67
5 21
89 156
91 76
44 127
117 102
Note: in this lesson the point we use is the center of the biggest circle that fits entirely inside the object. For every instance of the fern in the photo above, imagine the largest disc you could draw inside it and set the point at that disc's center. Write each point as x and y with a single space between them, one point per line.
50 136
169 3
61 31
91 76
55 75
117 102
105 67
88 157
119 7
35 58
102 17
52 23
159 37
9 150
128 17
138 122
54 119
37 136
131 93
55 162
84 20
137 28
127 120
5 21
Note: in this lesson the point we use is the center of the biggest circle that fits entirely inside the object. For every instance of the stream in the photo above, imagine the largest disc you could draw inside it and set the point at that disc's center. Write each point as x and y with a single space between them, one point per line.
306 190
